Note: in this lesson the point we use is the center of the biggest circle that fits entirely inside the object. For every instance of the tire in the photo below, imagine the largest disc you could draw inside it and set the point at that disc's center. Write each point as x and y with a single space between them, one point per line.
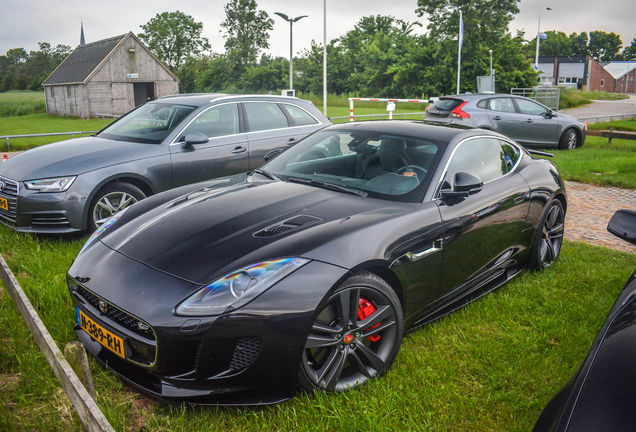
548 239
569 140
338 353
111 199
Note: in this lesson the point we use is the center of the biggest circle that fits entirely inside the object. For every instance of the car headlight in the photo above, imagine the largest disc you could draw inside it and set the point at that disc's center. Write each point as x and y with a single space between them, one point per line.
59 184
103 227
239 287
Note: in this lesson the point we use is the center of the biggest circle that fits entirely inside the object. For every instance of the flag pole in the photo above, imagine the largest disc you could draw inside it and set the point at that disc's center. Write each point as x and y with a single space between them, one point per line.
459 51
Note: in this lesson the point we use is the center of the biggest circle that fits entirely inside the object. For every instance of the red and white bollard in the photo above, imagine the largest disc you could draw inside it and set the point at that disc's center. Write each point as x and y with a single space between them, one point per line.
5 157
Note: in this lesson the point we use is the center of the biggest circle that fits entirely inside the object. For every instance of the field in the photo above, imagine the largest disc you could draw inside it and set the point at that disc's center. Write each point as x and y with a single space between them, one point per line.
491 366
19 103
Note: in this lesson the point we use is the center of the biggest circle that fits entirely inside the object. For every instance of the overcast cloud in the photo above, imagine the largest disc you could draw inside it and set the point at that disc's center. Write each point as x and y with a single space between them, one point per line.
27 22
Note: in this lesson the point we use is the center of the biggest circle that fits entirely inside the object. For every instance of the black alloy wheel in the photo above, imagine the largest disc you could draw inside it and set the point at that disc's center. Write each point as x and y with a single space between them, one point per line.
355 336
110 200
549 237
569 140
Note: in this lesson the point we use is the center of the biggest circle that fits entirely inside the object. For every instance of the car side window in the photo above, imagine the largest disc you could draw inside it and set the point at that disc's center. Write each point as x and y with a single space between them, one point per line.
483 104
300 116
217 121
509 157
482 157
501 104
264 116
531 108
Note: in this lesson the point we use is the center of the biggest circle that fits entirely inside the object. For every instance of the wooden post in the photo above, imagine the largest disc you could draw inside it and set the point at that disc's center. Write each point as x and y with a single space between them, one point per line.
609 141
76 357
89 413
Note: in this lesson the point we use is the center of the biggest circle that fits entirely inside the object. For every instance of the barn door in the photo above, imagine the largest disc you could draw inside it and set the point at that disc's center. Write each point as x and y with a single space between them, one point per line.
167 89
123 98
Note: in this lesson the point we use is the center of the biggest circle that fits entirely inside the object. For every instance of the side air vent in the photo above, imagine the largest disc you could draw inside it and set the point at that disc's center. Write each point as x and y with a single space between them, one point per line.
288 225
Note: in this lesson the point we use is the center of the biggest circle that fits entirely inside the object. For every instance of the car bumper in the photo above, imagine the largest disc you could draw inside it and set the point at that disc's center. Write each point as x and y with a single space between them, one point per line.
46 213
249 356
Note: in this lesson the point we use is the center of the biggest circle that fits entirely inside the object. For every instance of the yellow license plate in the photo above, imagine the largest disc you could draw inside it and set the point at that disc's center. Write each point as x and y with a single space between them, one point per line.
109 340
4 204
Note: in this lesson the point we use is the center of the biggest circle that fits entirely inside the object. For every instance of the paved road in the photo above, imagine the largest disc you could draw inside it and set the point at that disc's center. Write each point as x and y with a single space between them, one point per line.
603 108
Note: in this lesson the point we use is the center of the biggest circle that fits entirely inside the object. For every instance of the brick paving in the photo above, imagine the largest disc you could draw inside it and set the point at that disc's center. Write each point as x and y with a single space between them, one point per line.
589 210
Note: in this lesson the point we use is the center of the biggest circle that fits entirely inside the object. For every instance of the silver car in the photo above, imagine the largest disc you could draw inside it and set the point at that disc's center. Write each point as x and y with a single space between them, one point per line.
76 185
524 120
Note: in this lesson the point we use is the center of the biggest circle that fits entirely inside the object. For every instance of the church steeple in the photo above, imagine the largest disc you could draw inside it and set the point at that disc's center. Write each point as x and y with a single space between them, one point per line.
82 40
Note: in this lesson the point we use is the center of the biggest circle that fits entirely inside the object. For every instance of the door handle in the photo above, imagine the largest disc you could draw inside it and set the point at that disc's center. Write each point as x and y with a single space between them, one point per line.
238 150
496 118
291 141
529 121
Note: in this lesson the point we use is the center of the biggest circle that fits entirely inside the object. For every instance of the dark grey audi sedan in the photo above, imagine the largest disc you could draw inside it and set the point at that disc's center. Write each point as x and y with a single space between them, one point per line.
524 120
76 185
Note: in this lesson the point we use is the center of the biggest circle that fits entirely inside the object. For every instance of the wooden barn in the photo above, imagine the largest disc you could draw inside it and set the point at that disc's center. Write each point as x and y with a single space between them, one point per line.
111 76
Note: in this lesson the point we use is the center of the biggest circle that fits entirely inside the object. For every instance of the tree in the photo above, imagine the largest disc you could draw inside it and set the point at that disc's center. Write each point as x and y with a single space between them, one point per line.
556 44
579 43
246 32
604 46
485 21
174 36
629 53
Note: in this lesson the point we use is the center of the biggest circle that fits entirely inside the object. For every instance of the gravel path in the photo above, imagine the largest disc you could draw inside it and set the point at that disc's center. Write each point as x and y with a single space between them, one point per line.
589 210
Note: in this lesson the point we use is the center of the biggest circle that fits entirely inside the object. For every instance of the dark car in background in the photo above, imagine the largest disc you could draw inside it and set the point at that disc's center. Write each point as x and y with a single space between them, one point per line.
306 272
601 395
76 185
524 120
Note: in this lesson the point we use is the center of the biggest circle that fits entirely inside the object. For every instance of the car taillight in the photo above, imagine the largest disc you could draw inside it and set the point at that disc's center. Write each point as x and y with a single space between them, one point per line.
458 113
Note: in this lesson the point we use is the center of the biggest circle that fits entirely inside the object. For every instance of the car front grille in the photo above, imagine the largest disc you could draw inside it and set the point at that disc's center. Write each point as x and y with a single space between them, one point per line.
9 191
117 315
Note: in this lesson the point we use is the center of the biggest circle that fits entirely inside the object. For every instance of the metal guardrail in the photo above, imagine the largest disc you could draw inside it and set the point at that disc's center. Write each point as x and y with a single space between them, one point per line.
72 134
107 115
608 117
378 115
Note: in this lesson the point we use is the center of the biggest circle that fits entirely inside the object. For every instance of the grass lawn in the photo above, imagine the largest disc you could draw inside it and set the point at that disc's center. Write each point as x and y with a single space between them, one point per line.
492 366
18 103
44 123
599 163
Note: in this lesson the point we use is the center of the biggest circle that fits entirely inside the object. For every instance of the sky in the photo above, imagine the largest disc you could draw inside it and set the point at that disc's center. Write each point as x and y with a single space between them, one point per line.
27 22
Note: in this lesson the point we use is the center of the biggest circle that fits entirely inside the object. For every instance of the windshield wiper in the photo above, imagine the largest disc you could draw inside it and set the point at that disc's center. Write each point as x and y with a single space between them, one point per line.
330 186
267 174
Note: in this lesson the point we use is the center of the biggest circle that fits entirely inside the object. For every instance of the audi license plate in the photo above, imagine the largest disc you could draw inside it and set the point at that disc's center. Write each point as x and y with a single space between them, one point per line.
109 340
4 204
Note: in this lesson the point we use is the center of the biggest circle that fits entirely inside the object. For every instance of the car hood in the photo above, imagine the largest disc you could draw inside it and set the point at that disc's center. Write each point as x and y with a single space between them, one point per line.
211 232
74 157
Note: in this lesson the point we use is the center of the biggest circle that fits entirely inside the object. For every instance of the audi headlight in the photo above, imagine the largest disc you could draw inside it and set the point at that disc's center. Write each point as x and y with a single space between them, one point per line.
59 184
239 287
103 227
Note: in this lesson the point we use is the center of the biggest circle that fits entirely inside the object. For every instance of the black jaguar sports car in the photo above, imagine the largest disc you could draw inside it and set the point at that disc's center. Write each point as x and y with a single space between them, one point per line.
305 273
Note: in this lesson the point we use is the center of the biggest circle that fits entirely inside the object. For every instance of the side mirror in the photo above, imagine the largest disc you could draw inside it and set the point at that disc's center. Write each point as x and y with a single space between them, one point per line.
195 138
272 154
549 114
623 225
465 184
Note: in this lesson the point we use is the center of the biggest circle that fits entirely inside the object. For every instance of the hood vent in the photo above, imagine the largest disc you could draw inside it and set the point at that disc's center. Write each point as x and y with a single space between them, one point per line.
288 225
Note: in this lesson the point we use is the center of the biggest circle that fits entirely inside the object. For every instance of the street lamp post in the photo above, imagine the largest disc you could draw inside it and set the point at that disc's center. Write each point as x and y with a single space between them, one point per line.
291 45
536 60
490 51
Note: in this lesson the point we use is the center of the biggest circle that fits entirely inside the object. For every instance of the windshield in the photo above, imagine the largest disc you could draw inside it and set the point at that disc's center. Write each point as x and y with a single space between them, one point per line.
384 165
150 123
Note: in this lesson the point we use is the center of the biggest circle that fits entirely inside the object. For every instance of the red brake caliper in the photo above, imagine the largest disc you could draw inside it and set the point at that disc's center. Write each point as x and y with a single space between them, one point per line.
365 310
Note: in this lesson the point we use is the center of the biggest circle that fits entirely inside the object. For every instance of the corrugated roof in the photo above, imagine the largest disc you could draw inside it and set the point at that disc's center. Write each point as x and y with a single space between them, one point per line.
83 61
619 68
